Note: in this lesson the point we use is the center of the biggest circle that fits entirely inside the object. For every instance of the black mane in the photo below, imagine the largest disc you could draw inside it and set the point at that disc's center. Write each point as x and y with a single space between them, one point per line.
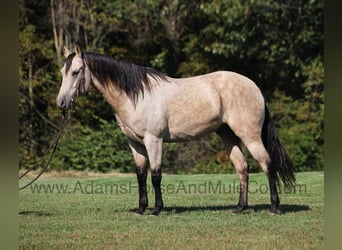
126 76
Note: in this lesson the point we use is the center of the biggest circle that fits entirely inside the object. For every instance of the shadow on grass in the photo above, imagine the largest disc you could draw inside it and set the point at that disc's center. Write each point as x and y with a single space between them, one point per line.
34 213
283 208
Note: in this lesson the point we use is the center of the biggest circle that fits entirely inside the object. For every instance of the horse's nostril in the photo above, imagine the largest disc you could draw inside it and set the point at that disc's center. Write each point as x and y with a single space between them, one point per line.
61 103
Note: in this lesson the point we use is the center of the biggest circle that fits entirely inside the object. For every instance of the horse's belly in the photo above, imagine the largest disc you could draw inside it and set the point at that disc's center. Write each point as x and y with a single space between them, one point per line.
193 119
191 130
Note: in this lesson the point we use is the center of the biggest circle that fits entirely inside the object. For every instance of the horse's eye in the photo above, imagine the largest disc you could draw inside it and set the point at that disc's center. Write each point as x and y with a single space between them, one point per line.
75 73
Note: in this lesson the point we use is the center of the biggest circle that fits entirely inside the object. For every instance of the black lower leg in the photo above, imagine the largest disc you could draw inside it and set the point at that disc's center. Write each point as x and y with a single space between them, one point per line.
242 205
274 194
143 199
156 180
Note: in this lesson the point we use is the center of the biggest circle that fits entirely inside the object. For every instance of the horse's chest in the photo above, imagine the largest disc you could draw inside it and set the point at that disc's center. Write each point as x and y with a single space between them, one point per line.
130 132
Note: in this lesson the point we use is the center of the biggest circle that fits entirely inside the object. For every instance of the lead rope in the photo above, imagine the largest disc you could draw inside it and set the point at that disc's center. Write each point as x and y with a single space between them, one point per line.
80 88
53 147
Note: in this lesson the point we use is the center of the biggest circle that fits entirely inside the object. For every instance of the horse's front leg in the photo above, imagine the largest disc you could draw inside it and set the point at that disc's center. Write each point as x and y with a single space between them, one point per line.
140 158
154 150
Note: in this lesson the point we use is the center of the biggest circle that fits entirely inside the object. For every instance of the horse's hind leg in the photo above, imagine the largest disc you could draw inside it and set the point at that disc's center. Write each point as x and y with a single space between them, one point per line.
232 144
260 154
251 138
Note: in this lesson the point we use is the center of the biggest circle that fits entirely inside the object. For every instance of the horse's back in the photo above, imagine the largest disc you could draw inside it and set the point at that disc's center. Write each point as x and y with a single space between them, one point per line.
233 89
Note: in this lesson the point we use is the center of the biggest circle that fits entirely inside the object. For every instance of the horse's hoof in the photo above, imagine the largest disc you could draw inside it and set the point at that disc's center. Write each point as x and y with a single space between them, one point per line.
139 211
155 212
274 211
239 209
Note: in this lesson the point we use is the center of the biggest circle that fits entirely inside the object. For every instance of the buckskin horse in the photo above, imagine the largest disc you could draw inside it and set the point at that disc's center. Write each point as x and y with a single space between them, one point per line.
152 108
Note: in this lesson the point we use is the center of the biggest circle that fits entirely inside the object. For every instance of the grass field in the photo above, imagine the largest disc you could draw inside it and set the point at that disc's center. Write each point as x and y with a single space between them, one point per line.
97 213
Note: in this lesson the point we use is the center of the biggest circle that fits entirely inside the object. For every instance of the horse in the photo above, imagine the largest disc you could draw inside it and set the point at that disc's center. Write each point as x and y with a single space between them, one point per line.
152 108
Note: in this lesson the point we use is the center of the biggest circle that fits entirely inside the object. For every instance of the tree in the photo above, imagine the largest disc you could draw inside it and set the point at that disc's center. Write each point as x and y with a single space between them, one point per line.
36 71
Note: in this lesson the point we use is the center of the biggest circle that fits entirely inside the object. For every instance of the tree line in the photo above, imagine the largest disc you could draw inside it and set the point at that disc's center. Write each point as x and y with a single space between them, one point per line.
278 44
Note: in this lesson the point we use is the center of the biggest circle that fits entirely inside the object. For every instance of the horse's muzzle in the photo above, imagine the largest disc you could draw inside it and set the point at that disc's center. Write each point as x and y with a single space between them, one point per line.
63 103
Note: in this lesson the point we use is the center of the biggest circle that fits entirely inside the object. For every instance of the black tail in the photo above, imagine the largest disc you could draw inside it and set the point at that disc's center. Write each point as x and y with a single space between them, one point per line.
281 164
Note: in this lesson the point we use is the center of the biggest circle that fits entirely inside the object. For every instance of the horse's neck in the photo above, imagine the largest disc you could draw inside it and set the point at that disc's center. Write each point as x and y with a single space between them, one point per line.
117 99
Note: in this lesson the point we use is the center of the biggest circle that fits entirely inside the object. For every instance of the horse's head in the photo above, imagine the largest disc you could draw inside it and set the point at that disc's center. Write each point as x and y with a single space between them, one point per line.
75 78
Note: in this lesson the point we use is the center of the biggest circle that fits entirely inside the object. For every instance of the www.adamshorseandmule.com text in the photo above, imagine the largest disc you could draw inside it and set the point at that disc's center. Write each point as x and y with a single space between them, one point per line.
205 187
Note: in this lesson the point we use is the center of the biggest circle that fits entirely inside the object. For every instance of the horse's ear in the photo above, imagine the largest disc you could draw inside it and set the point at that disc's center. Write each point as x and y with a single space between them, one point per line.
66 51
78 50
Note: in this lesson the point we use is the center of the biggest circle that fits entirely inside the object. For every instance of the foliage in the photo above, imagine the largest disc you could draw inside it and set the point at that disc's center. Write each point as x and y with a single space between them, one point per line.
101 149
36 89
278 44
299 128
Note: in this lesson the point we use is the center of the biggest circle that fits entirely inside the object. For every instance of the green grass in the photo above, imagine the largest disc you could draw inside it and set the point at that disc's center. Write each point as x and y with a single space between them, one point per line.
89 216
